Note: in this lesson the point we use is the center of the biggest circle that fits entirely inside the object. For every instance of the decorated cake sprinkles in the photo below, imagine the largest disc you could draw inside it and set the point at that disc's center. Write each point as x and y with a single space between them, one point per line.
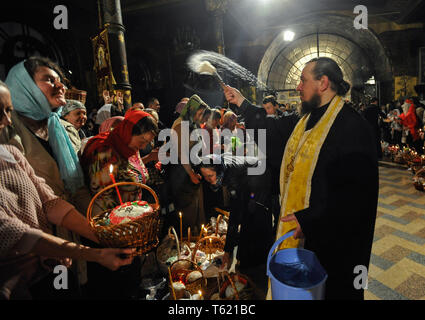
129 211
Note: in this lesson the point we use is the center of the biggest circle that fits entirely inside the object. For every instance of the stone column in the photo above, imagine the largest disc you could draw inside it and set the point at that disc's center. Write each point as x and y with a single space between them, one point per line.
218 9
110 14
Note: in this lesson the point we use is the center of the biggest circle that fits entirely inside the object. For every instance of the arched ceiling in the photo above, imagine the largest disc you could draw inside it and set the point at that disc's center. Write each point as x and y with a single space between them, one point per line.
289 63
359 53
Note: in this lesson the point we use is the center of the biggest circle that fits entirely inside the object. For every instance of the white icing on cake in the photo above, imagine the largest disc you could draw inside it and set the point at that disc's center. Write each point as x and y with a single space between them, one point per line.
129 211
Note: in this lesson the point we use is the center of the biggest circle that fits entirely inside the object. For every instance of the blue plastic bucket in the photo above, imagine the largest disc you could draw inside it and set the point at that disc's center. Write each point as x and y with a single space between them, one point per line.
295 274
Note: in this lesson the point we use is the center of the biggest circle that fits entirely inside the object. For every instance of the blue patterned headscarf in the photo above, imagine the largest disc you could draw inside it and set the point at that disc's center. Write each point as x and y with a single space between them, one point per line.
29 101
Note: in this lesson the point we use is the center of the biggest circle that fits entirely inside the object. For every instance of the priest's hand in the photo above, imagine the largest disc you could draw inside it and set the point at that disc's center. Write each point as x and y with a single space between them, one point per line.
298 232
233 95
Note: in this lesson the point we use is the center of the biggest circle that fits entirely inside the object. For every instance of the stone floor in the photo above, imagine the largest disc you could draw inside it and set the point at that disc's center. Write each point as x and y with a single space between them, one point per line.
397 265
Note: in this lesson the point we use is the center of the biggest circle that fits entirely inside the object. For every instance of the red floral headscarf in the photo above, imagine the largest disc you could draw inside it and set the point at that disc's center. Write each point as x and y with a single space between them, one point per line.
118 139
110 123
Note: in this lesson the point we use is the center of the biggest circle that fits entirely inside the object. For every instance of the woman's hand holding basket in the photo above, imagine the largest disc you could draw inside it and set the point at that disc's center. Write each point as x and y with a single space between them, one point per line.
114 258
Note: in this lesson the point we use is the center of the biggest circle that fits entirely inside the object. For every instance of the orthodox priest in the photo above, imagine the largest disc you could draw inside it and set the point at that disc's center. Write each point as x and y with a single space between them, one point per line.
328 177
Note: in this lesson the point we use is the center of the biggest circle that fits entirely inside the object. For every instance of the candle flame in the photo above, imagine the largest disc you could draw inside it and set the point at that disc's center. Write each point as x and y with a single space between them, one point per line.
200 293
180 214
111 168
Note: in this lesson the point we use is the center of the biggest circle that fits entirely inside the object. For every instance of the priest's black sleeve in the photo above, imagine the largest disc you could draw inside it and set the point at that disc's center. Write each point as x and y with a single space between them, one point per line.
278 131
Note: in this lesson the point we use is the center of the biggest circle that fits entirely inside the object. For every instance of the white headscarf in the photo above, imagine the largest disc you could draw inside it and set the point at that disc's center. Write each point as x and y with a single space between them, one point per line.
405 107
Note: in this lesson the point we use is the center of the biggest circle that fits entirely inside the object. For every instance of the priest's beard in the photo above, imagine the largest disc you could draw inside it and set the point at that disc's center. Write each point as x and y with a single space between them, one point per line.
307 106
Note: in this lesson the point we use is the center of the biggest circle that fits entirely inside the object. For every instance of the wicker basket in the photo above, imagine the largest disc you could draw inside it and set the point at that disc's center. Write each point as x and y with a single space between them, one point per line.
211 230
208 245
167 249
398 158
416 163
141 233
185 241
179 274
419 179
246 293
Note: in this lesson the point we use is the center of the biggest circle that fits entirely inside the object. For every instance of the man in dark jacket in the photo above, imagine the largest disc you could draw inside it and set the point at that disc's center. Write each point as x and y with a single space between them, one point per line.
249 201
371 114
271 106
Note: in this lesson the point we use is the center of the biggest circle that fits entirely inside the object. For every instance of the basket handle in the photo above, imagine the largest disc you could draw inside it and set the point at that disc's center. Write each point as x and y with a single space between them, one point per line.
197 268
231 283
199 243
171 229
171 284
217 223
143 186
224 212
277 243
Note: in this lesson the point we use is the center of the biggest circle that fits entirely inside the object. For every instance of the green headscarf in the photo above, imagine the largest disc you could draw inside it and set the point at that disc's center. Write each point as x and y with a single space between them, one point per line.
190 109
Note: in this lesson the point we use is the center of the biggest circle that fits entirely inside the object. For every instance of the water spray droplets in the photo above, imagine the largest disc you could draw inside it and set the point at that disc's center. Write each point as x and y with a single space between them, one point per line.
196 63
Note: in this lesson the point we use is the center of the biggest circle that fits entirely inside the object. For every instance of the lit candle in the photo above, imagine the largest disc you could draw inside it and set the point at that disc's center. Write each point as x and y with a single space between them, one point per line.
197 296
202 230
188 235
111 169
181 228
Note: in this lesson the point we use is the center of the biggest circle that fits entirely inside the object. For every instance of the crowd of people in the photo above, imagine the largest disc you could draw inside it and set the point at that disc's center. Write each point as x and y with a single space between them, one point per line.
55 156
400 122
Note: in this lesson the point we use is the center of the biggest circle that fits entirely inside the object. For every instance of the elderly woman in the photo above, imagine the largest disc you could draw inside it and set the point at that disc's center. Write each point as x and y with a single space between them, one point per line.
409 122
232 133
27 208
37 91
213 138
117 150
184 182
111 123
73 118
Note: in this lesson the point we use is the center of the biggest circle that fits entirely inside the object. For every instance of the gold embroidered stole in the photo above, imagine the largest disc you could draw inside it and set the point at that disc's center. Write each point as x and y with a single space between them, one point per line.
296 172
298 164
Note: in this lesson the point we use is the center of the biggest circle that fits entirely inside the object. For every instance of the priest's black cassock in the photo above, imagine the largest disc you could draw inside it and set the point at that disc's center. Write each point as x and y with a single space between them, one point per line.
339 223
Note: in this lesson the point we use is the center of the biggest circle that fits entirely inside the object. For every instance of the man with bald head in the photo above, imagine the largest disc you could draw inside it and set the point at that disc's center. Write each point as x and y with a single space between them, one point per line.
138 105
153 103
